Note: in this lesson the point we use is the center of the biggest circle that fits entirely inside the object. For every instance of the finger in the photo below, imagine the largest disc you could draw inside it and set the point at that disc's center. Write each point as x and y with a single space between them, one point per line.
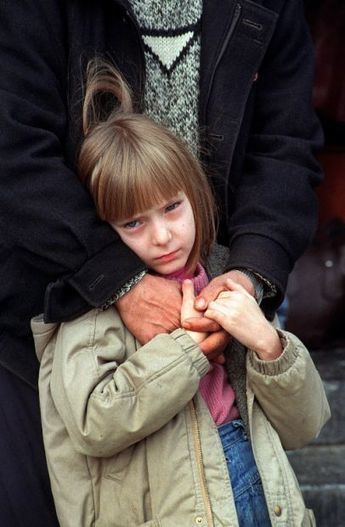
237 278
222 316
239 288
209 293
224 294
201 324
235 286
218 311
215 344
188 297
188 289
220 359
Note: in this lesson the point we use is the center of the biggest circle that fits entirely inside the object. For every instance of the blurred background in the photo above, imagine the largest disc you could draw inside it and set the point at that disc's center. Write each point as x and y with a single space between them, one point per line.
314 307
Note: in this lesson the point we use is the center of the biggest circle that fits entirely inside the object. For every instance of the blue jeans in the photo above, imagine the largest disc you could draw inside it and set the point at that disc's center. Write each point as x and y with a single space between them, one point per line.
245 479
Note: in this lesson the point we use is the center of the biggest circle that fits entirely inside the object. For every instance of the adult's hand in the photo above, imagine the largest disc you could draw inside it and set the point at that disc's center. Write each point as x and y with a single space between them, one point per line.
151 307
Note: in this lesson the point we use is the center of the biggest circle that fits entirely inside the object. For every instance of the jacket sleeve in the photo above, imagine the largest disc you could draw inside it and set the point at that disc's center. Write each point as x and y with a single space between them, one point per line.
275 204
290 392
108 400
47 218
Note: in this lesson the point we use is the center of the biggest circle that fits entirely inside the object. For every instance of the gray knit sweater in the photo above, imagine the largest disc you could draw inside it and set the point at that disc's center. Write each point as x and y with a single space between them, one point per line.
170 30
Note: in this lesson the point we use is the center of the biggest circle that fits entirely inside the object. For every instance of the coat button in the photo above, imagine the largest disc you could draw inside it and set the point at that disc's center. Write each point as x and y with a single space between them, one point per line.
277 510
199 520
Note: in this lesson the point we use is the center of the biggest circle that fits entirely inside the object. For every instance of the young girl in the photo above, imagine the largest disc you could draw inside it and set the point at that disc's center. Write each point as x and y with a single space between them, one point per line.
152 435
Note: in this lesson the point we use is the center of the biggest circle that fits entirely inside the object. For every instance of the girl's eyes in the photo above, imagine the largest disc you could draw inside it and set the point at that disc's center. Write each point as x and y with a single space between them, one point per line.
135 223
132 224
173 206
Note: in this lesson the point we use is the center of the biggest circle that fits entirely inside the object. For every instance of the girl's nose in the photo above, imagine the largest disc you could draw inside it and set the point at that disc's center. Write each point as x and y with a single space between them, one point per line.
161 233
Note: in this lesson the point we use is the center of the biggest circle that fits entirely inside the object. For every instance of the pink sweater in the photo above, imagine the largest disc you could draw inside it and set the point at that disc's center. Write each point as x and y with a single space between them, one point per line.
214 386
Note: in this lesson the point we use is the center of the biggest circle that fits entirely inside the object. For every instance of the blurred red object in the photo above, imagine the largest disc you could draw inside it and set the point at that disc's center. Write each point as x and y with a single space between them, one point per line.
327 24
332 192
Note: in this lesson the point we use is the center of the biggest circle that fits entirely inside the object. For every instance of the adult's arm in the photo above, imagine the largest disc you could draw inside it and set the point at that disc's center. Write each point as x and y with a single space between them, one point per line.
48 221
275 204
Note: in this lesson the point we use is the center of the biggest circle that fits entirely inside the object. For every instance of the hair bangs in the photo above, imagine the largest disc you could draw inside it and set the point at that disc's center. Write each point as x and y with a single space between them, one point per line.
140 183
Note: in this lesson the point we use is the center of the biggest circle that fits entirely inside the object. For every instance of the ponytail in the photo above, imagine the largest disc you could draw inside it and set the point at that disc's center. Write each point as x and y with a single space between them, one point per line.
106 94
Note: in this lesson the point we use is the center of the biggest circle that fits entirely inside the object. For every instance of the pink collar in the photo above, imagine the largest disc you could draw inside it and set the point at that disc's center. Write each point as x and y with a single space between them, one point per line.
199 279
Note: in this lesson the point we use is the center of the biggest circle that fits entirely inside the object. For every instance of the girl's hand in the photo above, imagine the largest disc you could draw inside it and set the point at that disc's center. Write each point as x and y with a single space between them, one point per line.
188 310
218 338
219 284
238 313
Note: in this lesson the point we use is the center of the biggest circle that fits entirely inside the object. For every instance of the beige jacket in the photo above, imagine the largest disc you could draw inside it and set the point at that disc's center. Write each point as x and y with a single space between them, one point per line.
130 442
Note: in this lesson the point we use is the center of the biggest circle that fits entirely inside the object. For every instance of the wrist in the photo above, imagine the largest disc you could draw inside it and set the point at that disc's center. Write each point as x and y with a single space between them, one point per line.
262 287
197 336
243 278
270 346
123 290
256 286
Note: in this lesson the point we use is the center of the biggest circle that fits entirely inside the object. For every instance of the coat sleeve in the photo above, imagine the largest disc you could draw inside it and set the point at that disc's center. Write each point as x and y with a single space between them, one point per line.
47 218
109 400
290 392
275 204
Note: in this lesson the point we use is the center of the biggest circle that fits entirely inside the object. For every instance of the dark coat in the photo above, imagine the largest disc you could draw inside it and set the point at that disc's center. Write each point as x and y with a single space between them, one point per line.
259 130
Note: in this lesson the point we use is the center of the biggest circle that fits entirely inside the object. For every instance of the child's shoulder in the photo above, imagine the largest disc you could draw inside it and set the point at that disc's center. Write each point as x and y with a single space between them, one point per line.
94 321
85 328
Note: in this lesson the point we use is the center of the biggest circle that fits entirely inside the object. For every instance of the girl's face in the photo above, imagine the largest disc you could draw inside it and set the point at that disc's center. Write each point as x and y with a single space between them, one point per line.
163 236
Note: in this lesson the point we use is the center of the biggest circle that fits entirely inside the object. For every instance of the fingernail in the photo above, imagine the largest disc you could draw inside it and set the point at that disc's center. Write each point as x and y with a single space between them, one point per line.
200 303
186 324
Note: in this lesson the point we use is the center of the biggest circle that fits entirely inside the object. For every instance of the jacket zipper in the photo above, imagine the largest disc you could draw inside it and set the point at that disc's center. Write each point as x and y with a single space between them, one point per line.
199 462
235 19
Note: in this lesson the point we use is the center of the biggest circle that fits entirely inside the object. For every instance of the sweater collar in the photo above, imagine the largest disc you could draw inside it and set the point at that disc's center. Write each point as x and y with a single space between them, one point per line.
199 277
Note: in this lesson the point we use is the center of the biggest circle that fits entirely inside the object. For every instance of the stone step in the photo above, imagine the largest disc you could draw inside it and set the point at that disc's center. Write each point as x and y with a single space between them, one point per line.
320 467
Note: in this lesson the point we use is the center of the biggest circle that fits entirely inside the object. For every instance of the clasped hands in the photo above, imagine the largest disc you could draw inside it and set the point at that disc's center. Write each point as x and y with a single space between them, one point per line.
155 305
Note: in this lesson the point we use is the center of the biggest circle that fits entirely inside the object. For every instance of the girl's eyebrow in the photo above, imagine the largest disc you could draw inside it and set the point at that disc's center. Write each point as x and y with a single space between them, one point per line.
130 218
178 196
169 202
123 221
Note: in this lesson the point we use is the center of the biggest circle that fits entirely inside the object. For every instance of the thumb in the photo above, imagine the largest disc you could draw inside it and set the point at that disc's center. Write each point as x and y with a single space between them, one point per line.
188 297
208 294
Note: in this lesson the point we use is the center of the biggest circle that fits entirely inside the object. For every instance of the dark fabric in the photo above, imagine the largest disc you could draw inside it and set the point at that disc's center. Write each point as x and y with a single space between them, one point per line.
257 129
25 498
258 137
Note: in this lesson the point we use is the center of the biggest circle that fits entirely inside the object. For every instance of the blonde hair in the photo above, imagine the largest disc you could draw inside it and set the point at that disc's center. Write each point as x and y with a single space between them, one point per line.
130 163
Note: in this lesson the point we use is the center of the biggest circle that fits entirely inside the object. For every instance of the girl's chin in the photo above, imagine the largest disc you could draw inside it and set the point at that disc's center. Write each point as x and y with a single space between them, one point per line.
169 268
